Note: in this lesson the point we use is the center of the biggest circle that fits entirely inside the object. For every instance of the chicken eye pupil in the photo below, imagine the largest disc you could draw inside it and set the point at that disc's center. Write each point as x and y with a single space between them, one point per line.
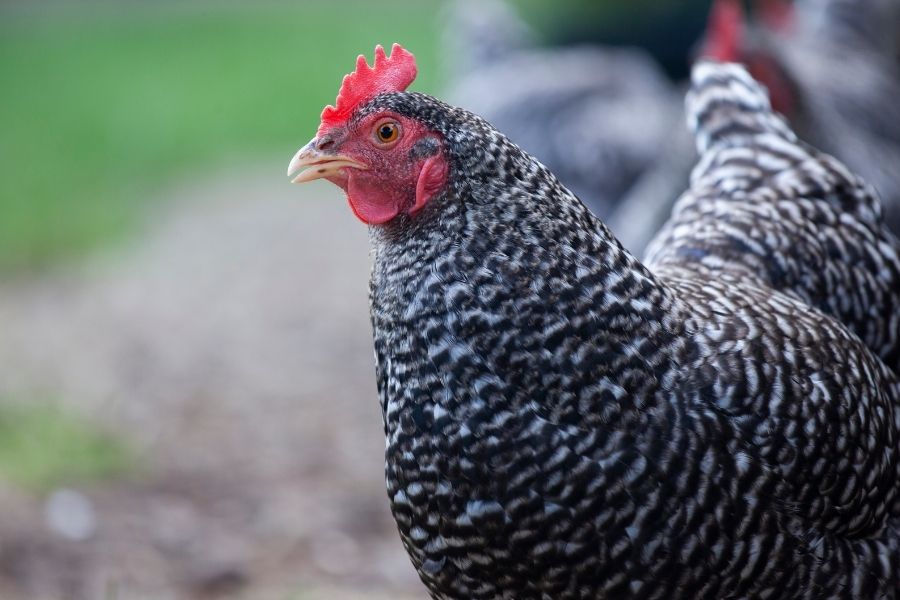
387 132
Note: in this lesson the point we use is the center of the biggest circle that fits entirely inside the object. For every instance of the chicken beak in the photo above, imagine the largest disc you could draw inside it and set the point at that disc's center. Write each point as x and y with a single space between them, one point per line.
316 164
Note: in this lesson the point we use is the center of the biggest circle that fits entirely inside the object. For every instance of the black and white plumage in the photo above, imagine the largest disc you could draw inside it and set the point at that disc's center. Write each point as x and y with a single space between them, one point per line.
599 117
565 422
840 58
754 170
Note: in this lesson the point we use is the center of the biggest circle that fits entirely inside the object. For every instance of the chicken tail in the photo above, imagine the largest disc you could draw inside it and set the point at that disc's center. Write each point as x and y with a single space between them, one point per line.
725 103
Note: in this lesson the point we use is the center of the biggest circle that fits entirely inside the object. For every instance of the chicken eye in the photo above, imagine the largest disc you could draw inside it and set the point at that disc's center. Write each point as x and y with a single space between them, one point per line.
387 132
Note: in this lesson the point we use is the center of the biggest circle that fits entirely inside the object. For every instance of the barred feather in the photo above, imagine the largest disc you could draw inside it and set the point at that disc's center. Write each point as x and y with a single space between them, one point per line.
565 422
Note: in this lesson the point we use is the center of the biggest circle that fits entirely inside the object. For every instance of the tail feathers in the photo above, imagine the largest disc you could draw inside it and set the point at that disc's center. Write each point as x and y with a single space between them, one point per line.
726 103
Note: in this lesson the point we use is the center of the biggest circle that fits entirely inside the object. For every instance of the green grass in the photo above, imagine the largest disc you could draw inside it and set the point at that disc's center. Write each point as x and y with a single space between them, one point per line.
101 106
43 447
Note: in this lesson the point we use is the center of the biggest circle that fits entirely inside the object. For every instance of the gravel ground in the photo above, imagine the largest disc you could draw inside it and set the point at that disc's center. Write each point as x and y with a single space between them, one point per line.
230 344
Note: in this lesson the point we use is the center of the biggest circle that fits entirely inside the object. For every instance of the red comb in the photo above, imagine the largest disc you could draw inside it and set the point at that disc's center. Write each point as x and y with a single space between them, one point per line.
724 31
389 74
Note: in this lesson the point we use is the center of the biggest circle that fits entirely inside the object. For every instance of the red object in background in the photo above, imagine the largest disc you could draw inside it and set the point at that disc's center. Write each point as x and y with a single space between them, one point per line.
724 31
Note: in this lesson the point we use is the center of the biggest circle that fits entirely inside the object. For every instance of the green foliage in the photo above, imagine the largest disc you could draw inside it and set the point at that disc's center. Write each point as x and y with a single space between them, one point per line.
42 447
102 104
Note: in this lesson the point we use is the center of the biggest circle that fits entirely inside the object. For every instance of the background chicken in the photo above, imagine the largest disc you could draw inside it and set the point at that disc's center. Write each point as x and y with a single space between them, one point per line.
832 70
828 65
563 421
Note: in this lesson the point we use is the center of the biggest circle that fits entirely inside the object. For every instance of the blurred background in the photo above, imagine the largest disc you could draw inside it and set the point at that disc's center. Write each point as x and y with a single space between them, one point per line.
187 399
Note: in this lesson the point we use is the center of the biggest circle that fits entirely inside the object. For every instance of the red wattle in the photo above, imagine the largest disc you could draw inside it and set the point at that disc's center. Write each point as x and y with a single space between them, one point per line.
371 205
374 203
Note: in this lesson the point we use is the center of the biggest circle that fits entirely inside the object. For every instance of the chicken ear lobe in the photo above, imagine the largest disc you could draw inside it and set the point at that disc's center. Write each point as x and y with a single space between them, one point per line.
432 178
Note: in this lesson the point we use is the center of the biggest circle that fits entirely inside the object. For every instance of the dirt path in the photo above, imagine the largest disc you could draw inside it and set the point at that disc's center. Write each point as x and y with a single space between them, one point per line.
231 344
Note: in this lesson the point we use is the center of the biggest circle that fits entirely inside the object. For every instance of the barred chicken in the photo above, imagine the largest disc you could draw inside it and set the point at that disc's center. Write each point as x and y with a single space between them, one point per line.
563 421
831 68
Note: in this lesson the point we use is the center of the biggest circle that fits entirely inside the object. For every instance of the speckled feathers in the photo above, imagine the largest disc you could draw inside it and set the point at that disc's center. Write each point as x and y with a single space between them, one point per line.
563 421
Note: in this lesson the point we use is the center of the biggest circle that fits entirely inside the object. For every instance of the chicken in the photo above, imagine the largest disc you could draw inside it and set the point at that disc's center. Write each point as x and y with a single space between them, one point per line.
830 66
563 421
599 118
